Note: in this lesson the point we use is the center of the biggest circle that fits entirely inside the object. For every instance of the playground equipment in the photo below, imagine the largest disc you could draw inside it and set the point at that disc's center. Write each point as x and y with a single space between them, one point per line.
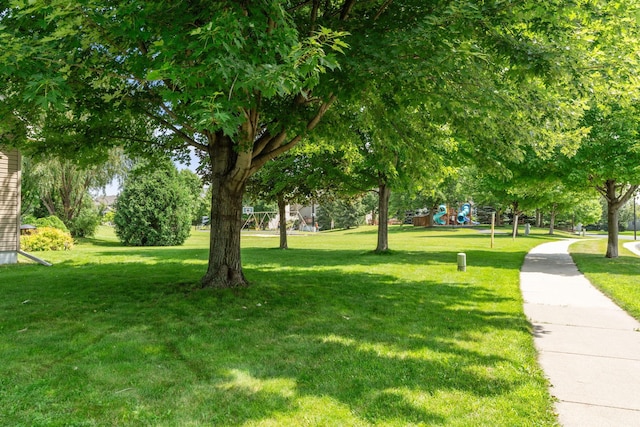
440 217
463 214
445 216
269 220
261 220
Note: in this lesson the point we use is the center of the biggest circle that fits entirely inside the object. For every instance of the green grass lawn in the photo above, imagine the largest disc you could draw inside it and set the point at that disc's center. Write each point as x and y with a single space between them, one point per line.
619 278
329 334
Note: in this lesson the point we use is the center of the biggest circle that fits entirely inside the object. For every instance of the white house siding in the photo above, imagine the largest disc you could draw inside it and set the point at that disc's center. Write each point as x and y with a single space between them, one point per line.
9 205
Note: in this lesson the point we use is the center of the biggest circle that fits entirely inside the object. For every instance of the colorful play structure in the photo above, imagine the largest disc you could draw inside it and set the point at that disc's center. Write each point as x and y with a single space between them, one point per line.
464 213
441 216
446 216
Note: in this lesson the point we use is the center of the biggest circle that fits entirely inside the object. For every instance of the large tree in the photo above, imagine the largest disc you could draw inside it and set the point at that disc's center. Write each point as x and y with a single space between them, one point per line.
245 81
232 79
609 160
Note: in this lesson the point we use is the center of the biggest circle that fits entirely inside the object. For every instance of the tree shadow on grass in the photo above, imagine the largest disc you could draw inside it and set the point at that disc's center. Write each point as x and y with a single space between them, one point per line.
597 263
354 348
328 257
369 345
101 242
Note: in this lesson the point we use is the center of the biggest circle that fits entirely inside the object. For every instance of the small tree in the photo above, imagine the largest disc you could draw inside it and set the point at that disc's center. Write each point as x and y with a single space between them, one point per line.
306 173
86 222
342 213
154 208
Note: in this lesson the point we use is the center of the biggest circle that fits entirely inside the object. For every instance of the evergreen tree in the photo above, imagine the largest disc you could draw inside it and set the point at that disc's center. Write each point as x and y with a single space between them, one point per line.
154 208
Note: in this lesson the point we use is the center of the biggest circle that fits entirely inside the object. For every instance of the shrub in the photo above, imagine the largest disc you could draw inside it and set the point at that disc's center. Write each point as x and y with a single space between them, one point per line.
46 239
108 217
51 221
85 224
29 219
154 208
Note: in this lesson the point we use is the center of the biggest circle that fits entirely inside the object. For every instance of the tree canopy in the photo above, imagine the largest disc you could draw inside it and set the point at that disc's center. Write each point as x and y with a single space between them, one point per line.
244 82
609 160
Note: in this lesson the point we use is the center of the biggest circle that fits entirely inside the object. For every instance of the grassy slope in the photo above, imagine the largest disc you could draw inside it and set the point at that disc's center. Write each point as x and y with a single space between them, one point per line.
328 334
619 278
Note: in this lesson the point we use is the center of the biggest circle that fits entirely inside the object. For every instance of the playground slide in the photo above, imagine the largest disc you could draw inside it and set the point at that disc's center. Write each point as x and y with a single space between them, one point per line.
440 217
463 214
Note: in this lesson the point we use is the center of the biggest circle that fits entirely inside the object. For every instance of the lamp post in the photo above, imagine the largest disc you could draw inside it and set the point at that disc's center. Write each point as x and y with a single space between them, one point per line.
635 194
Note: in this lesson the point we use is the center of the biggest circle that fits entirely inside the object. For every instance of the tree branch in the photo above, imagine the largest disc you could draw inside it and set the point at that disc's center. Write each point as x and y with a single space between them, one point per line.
274 142
261 143
275 145
298 6
187 138
346 9
321 112
314 14
142 47
382 9
273 150
628 194
175 117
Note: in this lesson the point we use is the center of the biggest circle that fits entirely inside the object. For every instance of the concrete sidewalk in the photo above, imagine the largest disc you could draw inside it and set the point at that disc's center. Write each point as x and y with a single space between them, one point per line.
588 347
633 247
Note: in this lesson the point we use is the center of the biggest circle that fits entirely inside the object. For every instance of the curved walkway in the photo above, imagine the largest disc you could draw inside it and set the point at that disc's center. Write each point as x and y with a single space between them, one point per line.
588 347
633 247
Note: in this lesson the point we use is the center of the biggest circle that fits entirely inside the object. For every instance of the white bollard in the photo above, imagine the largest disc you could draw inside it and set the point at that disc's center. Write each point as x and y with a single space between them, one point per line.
462 261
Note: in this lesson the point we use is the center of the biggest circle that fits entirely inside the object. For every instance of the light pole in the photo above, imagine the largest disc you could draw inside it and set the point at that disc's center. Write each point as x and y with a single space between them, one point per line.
635 194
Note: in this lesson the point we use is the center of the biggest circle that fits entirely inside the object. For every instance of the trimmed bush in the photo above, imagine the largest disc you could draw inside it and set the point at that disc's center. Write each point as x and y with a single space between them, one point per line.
46 239
51 221
154 208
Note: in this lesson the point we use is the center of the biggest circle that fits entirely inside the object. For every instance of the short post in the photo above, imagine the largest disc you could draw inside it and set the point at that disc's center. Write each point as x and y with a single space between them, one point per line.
462 261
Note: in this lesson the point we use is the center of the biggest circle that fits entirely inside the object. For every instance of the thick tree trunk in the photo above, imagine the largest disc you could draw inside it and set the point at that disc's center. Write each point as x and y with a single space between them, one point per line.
552 221
283 221
225 266
229 174
383 218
